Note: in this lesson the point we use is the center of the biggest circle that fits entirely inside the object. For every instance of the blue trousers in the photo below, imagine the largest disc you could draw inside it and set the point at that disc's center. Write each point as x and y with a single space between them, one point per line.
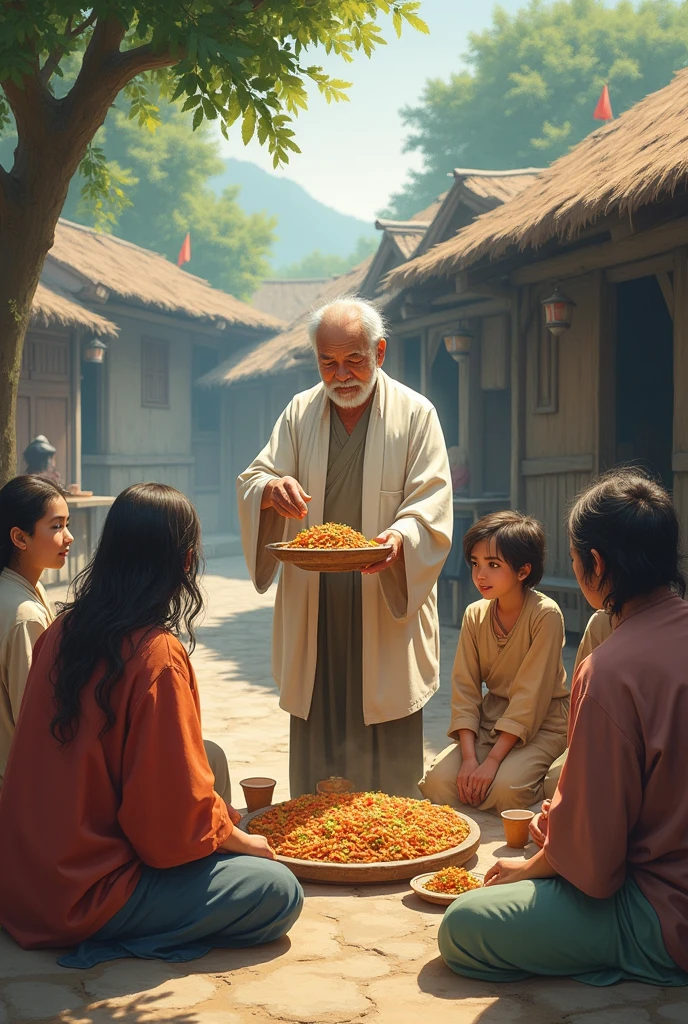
177 914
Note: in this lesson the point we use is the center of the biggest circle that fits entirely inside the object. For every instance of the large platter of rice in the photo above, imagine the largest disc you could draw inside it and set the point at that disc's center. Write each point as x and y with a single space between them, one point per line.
364 837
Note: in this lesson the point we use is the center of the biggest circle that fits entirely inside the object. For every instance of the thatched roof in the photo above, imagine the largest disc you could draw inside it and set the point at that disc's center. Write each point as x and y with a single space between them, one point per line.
51 308
400 240
625 165
140 277
486 189
405 234
428 215
287 299
285 351
473 193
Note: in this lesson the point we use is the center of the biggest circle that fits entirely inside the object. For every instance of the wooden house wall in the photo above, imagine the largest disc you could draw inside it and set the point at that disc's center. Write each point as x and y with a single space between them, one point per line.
140 443
558 453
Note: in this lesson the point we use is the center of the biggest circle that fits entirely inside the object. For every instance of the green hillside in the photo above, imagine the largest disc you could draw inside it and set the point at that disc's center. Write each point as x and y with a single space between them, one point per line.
304 224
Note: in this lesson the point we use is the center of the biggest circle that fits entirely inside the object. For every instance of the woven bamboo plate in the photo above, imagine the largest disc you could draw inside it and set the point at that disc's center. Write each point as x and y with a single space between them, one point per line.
387 871
330 559
443 899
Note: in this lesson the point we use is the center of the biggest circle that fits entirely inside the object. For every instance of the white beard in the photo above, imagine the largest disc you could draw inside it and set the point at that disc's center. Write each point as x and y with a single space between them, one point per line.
355 400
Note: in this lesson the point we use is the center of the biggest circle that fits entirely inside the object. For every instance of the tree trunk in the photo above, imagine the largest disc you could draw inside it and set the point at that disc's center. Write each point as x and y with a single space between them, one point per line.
33 202
53 136
23 247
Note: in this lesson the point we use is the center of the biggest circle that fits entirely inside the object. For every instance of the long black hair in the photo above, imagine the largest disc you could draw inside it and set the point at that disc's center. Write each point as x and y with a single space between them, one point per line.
23 502
630 520
144 574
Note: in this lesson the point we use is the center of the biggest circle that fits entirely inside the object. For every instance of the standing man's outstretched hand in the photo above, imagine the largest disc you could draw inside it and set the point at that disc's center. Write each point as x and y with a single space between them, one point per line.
287 497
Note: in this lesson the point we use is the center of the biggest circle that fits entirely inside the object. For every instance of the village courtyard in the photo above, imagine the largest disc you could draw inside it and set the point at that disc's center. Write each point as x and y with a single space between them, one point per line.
366 954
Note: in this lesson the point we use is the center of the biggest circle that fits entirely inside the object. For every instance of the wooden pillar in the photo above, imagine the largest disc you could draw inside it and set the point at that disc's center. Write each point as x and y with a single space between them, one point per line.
475 415
519 348
74 470
604 373
424 366
464 399
680 454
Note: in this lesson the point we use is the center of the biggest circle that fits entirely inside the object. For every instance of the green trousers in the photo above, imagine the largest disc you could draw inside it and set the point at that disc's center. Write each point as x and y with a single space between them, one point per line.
548 927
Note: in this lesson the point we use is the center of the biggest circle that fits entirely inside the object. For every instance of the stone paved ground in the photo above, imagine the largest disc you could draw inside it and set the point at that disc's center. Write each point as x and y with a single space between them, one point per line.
365 955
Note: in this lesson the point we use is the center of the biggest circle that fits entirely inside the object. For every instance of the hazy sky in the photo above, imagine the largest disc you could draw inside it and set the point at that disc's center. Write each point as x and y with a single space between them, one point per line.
352 153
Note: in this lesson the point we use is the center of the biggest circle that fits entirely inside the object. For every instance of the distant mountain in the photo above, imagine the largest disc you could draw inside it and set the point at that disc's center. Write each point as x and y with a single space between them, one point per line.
304 224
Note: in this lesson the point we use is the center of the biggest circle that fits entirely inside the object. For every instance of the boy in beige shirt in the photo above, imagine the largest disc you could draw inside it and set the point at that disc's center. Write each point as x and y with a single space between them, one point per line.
505 741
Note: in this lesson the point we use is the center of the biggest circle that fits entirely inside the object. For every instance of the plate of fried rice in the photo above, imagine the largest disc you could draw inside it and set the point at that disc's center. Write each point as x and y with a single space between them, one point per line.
446 885
364 837
330 547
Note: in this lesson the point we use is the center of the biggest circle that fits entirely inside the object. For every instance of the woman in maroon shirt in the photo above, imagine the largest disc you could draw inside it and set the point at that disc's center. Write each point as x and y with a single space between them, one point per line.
606 899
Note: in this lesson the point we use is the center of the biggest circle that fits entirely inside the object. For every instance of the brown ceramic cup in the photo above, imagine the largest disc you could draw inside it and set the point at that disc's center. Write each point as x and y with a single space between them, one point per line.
516 824
258 792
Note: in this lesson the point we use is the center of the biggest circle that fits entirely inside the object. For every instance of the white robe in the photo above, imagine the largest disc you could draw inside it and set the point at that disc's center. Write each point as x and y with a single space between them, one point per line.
406 487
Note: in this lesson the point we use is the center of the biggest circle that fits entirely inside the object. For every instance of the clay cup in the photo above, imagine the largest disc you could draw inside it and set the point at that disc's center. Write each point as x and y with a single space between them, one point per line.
335 784
258 792
516 824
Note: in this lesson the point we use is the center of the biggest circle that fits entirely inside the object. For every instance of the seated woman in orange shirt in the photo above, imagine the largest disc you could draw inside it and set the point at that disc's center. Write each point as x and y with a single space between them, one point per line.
606 899
112 838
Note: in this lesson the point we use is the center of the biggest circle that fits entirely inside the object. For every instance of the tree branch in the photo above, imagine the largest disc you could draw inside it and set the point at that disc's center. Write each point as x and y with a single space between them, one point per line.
52 63
104 43
93 88
130 63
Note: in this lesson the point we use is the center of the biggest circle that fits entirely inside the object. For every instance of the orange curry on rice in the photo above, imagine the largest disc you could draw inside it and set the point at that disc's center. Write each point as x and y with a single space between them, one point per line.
359 828
452 881
330 536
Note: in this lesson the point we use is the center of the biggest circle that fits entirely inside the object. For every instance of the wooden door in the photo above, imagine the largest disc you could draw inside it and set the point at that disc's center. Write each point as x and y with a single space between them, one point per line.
45 402
52 420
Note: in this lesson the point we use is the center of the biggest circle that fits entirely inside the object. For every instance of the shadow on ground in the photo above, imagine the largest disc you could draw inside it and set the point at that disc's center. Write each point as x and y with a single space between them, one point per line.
244 638
135 991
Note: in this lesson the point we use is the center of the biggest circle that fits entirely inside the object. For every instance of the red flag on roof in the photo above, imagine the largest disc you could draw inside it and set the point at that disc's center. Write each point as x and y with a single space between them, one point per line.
603 110
185 251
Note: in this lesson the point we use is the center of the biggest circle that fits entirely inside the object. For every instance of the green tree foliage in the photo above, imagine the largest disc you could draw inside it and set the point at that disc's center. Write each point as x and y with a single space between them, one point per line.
228 60
531 85
243 62
319 264
163 178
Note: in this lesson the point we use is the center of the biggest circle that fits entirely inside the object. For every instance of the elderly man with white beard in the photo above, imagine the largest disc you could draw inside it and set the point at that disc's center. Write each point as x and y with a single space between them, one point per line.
355 655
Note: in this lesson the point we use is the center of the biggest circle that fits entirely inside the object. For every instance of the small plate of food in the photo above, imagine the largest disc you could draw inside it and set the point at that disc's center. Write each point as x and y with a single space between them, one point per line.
445 885
331 547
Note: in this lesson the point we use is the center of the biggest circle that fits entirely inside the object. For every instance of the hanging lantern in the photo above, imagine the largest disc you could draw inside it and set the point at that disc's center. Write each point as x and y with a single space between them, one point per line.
558 312
459 345
94 351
